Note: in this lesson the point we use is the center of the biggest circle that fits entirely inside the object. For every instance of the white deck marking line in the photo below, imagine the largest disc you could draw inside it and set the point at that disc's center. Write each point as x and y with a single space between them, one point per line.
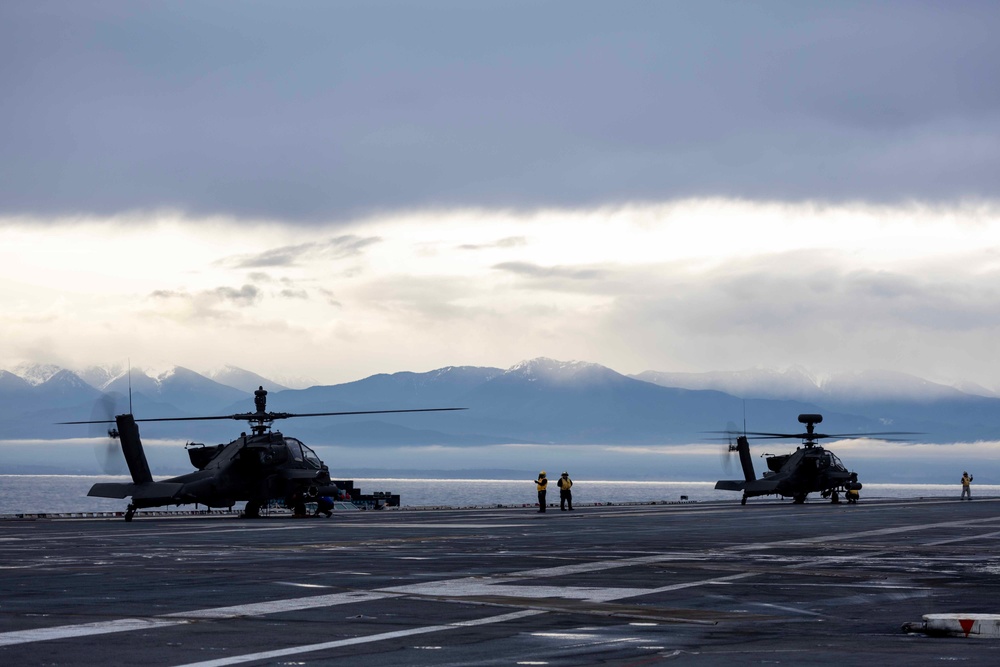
182 617
311 648
84 630
781 607
279 606
453 590
964 538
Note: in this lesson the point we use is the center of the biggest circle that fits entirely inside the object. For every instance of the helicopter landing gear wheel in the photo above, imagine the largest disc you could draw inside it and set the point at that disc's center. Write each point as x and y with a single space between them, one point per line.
798 500
130 512
252 510
743 501
835 497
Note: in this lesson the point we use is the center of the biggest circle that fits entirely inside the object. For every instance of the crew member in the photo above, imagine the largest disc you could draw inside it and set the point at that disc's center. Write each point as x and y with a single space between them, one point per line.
966 486
565 495
540 484
324 504
853 489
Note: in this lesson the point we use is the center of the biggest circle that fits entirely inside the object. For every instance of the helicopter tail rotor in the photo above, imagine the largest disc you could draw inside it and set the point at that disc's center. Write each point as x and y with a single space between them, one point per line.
107 451
729 449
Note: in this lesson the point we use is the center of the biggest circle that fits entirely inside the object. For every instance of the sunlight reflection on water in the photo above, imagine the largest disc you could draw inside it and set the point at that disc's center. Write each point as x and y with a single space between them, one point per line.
68 493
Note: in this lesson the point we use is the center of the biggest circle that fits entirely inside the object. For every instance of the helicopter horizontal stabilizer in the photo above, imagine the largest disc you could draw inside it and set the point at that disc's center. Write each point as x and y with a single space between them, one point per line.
164 490
730 485
110 490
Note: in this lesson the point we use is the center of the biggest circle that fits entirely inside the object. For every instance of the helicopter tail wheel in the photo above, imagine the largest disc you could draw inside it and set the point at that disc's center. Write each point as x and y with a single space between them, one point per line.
744 501
130 512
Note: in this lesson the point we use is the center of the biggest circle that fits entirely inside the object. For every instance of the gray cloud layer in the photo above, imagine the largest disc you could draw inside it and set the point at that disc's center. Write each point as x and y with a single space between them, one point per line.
339 247
318 111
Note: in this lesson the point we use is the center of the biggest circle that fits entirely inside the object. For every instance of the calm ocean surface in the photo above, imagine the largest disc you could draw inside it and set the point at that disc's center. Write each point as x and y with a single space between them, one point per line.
68 493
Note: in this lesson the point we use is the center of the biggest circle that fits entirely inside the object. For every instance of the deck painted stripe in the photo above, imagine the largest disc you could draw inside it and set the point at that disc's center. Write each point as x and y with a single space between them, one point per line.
280 606
182 617
84 630
353 641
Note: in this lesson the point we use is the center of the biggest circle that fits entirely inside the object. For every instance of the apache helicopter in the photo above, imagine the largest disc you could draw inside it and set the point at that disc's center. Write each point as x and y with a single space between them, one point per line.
263 466
808 469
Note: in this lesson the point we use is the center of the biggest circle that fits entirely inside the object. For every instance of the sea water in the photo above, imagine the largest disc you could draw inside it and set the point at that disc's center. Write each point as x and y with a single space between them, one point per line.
54 494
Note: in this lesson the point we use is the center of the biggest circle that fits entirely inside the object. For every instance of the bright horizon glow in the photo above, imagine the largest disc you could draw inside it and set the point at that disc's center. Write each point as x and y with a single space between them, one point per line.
674 286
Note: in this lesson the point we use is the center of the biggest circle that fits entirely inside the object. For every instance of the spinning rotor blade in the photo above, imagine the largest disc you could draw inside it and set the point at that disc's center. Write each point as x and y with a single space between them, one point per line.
109 454
730 447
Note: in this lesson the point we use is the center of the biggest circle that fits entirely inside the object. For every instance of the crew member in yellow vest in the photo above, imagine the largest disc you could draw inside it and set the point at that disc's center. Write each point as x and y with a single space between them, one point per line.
966 486
565 495
540 484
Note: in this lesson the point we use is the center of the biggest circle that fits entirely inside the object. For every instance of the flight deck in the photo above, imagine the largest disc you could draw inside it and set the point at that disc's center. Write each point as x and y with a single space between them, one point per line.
699 583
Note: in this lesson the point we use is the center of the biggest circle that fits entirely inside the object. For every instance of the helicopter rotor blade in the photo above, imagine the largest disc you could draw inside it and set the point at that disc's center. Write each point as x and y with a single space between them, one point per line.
868 435
268 416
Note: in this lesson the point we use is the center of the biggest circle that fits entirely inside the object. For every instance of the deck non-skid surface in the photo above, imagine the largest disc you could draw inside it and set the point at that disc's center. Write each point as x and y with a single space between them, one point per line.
701 584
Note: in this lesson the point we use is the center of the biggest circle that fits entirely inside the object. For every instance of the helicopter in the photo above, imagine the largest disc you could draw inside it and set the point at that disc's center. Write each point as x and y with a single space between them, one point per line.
263 466
809 469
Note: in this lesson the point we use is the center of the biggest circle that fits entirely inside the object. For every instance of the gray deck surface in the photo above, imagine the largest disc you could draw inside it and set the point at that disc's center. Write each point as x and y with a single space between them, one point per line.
698 584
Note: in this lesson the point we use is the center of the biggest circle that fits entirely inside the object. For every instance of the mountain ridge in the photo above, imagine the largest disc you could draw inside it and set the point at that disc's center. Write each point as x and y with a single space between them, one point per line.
539 400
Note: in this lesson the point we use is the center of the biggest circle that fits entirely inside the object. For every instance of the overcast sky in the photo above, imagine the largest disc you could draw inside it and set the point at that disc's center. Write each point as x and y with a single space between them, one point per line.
335 189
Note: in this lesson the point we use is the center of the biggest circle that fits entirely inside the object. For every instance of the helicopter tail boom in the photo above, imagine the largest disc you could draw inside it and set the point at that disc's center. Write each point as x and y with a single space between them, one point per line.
743 448
128 433
749 476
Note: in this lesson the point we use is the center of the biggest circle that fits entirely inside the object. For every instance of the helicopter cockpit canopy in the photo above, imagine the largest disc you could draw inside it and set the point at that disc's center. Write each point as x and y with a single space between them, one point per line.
302 454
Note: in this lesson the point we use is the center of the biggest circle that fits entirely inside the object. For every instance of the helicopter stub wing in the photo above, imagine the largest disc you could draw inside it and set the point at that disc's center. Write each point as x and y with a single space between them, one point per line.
298 473
164 490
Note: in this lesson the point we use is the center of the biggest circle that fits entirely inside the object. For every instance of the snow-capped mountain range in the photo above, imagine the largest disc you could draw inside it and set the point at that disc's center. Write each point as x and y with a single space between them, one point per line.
535 401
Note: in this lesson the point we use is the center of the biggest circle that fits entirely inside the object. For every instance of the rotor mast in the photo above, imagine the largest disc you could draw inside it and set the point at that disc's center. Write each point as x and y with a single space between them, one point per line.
810 436
261 420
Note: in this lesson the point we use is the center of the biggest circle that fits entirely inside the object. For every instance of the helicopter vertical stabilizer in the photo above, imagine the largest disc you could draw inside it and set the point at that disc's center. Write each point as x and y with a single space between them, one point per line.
128 433
743 447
